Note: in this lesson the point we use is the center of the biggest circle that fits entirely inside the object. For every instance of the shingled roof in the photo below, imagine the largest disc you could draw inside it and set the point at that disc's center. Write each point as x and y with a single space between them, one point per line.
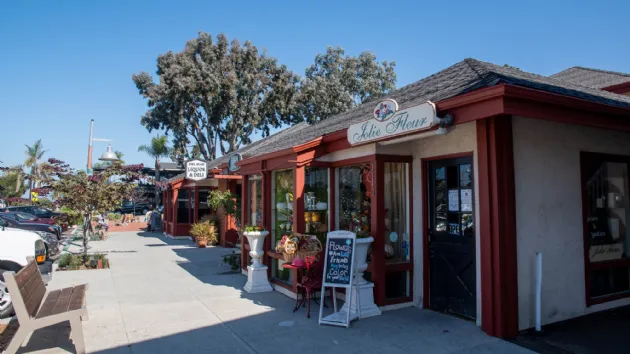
463 77
594 78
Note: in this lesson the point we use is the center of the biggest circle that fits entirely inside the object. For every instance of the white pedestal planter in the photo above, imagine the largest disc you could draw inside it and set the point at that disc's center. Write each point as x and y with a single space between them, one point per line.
257 281
364 293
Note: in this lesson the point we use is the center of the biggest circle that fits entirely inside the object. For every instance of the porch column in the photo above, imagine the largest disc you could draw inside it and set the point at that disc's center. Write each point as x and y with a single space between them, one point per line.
196 206
245 205
267 205
377 225
497 227
299 175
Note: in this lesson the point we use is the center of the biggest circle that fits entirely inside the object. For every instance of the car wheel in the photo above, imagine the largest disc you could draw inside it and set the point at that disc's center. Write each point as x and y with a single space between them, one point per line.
6 305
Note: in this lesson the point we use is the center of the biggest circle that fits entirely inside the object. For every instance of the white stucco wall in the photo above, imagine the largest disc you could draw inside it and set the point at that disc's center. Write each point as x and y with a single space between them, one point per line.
462 138
549 214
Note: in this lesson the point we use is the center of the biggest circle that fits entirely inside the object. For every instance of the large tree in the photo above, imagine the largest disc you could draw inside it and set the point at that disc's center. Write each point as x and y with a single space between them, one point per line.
336 83
157 150
11 183
215 94
87 194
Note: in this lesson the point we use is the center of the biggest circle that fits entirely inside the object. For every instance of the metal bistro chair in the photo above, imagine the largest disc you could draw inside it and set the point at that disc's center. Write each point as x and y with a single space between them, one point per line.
312 281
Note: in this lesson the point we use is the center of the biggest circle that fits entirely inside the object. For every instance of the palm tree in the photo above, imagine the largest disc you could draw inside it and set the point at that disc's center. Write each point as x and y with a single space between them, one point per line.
158 149
33 154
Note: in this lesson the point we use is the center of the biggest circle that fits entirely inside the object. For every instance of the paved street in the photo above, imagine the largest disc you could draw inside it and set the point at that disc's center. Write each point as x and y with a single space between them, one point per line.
164 296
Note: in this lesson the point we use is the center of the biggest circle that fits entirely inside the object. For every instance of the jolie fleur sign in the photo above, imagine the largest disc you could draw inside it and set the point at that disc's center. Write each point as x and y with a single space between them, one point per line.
196 170
389 121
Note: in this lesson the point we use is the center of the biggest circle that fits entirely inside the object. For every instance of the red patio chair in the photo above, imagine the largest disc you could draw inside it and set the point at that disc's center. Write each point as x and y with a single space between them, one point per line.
312 281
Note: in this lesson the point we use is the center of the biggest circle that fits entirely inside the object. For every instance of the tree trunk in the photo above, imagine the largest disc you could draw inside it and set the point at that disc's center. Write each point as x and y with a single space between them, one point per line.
87 226
157 179
17 181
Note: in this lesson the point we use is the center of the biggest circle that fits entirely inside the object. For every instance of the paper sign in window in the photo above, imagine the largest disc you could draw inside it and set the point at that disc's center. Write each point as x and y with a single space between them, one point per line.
466 199
453 200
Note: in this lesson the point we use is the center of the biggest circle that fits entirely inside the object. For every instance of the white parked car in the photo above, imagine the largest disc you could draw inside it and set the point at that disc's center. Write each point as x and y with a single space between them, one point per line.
17 248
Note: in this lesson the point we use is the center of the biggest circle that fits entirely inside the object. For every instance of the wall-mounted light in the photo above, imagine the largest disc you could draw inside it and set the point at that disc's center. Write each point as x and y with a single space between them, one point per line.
445 122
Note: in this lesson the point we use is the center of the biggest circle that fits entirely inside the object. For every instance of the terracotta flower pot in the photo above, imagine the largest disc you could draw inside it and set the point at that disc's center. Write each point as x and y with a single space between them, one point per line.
202 243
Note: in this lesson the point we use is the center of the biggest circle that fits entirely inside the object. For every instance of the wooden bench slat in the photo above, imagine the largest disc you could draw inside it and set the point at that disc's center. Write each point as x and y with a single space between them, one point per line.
63 301
32 304
77 300
25 274
30 286
49 304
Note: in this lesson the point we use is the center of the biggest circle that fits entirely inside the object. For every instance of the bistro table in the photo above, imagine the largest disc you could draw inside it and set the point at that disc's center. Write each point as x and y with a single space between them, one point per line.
300 272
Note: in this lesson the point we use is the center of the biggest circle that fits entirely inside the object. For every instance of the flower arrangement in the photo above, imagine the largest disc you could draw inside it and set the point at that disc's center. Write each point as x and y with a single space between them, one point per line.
360 221
253 228
297 245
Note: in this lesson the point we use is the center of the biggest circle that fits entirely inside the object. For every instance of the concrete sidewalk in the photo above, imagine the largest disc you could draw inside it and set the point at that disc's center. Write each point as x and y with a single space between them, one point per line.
164 296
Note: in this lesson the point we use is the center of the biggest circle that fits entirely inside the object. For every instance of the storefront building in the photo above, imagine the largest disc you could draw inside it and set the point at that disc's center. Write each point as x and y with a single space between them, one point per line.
186 202
461 178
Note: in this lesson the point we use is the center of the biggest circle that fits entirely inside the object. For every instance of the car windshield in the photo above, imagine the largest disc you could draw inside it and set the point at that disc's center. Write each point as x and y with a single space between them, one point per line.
26 217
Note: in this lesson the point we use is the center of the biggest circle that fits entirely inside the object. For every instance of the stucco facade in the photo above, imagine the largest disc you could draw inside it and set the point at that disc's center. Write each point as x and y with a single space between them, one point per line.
549 214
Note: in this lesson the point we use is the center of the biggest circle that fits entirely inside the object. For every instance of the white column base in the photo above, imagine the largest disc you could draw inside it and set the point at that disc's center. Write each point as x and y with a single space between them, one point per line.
366 295
257 280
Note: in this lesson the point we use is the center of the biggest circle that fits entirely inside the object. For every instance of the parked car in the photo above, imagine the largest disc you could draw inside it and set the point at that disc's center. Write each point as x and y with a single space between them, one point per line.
46 232
32 219
131 208
17 248
35 210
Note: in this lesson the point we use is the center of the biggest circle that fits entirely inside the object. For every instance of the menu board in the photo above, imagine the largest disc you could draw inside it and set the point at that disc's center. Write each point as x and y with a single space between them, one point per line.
339 260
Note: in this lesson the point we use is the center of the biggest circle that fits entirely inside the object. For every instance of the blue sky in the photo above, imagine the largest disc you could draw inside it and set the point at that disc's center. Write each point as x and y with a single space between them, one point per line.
65 62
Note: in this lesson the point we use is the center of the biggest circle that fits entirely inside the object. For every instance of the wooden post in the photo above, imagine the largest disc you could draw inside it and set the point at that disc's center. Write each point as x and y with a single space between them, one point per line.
299 178
245 205
378 230
196 205
497 227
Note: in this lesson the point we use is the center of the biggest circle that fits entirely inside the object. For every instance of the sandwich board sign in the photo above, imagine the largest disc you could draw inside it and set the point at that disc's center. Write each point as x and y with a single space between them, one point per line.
339 273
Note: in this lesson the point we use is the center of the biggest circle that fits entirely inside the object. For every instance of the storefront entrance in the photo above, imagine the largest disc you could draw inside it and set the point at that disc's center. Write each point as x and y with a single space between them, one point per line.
451 237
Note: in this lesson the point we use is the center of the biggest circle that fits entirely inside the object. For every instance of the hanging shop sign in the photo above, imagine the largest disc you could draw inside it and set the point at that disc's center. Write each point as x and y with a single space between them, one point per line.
196 170
232 166
388 121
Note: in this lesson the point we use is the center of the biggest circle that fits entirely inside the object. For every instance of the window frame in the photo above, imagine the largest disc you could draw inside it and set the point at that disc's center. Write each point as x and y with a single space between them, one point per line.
585 159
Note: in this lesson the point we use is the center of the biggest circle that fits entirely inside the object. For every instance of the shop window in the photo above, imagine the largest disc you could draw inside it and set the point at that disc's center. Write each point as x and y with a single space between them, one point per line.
607 231
282 218
255 205
354 199
183 213
316 202
397 284
204 208
396 199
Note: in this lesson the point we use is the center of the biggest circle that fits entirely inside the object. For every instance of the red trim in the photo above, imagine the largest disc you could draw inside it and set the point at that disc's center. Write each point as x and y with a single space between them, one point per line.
426 274
621 88
251 168
226 176
308 145
448 156
497 228
378 230
245 205
299 179
283 162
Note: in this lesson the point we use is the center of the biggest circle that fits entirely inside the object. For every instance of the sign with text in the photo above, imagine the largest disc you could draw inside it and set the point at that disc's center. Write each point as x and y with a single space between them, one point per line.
338 265
196 170
339 273
388 123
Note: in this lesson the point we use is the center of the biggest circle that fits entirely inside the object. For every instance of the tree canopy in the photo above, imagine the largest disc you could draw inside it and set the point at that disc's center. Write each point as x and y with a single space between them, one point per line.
214 94
336 83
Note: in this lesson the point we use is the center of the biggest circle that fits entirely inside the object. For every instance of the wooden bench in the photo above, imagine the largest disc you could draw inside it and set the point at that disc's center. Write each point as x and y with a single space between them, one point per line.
37 309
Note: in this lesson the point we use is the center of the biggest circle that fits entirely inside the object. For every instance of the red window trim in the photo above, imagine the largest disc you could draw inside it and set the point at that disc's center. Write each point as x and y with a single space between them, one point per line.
588 266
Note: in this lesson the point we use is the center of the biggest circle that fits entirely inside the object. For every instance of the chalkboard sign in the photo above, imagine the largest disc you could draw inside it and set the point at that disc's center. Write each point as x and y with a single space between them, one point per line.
339 273
338 266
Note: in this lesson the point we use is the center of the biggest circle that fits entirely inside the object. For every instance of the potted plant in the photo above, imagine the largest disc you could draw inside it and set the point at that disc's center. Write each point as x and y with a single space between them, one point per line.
204 232
256 237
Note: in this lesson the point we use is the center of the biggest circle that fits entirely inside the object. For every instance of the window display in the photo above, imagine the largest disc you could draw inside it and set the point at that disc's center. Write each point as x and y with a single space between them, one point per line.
282 218
204 208
354 195
316 203
607 229
255 211
396 223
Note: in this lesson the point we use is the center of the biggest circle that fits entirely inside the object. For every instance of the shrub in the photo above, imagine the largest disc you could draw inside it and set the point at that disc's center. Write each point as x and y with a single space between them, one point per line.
64 260
114 216
204 230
